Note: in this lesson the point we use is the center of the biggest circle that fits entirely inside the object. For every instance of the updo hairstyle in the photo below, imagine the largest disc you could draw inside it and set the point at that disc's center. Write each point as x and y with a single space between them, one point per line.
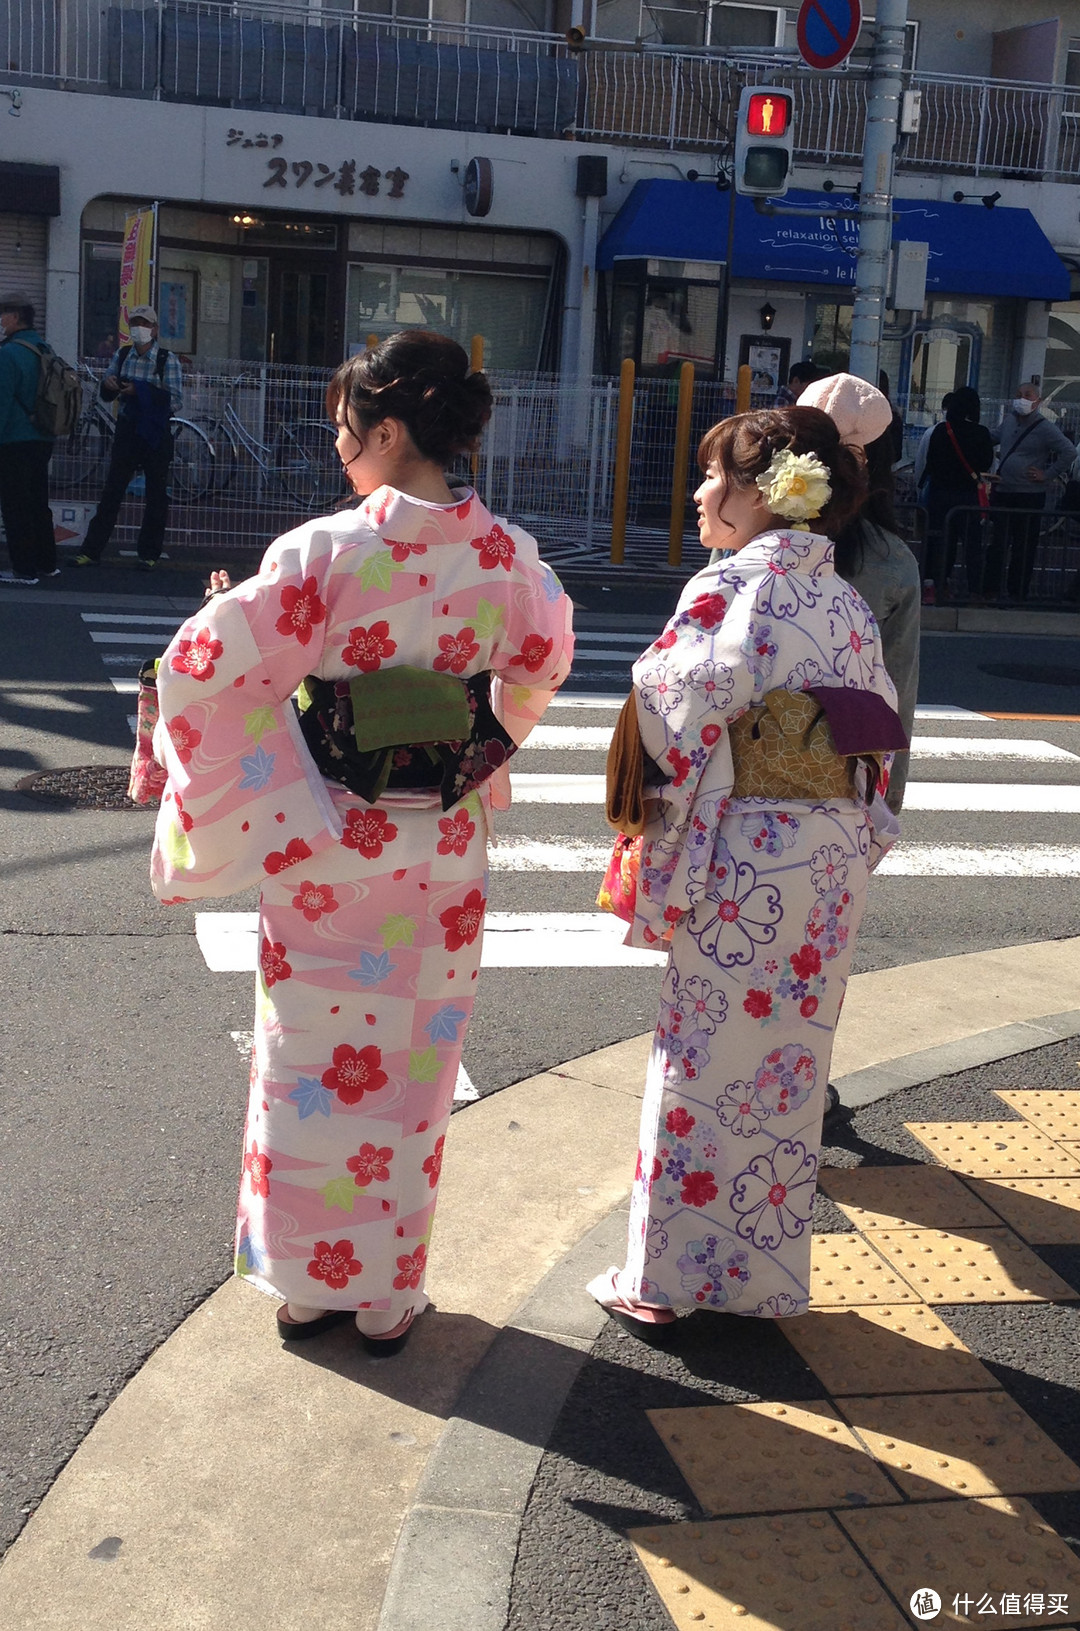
743 446
423 379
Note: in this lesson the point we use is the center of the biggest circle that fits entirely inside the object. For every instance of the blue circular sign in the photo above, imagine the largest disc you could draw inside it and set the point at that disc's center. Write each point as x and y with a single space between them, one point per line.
827 31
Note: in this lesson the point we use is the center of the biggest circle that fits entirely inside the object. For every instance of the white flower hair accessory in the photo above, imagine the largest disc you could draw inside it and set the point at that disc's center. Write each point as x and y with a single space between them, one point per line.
796 486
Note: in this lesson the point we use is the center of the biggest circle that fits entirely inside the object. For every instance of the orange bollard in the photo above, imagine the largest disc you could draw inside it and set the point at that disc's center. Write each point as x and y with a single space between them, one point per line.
476 363
372 341
742 389
682 460
623 435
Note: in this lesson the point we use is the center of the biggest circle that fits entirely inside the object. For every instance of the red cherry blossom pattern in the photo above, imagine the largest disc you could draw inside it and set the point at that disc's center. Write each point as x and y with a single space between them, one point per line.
456 652
400 549
433 1165
258 1168
457 831
295 851
534 654
334 1264
411 1269
315 900
366 647
301 610
185 738
368 831
272 961
462 923
197 657
497 548
354 1072
370 1165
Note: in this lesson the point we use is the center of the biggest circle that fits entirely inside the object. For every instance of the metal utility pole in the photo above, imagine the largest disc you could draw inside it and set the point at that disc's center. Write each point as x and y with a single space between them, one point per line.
876 200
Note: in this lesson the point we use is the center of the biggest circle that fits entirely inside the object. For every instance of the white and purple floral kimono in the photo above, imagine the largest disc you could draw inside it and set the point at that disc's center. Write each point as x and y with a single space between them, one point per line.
763 901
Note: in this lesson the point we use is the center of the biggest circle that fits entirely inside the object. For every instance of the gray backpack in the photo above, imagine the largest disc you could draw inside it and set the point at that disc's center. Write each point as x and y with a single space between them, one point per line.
58 399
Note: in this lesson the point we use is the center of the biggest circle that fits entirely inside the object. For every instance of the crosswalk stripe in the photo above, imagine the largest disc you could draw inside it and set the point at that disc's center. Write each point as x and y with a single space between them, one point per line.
137 620
598 737
128 638
1006 798
228 941
988 861
559 855
586 699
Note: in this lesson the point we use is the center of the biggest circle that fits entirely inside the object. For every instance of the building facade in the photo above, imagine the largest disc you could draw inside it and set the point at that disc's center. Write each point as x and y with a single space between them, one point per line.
324 174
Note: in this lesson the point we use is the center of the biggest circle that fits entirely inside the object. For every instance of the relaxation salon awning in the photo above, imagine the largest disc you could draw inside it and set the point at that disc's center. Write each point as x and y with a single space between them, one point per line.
973 250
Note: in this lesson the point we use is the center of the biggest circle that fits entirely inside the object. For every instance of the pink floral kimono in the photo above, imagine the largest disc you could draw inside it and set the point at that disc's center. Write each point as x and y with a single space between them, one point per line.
763 900
371 915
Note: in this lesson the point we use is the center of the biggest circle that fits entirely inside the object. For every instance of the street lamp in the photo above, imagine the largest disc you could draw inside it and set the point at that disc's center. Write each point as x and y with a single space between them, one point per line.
767 314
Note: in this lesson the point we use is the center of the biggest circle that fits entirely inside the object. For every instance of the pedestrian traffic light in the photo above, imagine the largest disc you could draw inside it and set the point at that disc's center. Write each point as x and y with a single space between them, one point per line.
764 138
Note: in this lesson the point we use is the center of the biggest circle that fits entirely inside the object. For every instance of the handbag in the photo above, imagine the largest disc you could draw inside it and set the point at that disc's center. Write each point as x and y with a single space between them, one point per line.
618 892
146 779
982 486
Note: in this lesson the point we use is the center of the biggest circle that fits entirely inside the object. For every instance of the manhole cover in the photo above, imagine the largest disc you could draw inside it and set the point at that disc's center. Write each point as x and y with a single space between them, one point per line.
80 787
1032 673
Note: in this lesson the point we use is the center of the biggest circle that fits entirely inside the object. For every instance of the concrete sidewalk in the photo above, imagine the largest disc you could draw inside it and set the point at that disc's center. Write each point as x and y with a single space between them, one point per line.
238 1484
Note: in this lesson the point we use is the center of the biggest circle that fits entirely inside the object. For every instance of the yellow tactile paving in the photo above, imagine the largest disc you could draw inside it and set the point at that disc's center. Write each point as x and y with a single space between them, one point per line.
960 1444
790 1457
970 1265
995 1149
885 1350
796 1573
904 1198
1045 1211
1055 1114
846 1273
991 1553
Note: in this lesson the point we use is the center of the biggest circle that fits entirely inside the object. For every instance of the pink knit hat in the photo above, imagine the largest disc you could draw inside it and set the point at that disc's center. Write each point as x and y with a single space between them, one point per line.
859 410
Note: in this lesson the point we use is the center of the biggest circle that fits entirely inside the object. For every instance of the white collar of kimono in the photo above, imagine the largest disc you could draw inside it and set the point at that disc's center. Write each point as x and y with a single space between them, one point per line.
796 551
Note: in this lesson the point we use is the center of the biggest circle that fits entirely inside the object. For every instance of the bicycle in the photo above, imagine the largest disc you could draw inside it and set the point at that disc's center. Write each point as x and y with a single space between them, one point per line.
301 458
85 455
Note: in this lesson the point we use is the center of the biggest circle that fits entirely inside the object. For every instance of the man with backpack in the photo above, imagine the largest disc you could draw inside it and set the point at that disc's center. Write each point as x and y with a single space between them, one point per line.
25 448
147 380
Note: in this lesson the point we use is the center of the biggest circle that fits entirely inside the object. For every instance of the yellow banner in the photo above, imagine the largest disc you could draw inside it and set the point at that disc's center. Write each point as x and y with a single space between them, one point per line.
137 265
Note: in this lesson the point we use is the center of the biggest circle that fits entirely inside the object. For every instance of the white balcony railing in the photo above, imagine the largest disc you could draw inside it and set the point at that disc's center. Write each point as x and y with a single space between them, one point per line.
345 64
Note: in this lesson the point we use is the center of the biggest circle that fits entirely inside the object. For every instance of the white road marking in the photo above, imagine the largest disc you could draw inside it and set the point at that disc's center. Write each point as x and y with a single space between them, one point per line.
625 658
530 788
464 1090
616 639
945 710
989 861
173 622
571 736
560 855
126 688
986 747
228 941
1005 799
581 699
131 637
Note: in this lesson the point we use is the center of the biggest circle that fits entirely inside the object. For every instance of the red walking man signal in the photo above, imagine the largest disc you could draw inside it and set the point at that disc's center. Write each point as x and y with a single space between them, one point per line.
764 140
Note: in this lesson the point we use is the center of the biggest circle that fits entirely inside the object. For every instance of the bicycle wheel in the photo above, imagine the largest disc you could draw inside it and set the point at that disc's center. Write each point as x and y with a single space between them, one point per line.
80 461
226 454
192 473
307 465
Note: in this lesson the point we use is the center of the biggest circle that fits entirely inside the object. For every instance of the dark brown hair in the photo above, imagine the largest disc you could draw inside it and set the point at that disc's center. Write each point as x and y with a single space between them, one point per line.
424 380
878 509
743 447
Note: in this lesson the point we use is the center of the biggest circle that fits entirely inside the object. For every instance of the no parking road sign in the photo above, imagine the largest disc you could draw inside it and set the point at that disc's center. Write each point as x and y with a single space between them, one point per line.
827 31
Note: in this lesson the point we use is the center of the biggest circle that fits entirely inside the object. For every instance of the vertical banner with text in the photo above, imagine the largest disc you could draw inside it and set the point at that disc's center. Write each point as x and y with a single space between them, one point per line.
137 264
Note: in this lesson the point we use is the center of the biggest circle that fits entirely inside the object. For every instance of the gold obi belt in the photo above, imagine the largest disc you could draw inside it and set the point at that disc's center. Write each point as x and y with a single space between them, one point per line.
783 748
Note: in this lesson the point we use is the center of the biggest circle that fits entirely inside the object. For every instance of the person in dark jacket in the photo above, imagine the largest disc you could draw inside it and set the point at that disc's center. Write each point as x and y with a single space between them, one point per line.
1032 453
958 455
25 451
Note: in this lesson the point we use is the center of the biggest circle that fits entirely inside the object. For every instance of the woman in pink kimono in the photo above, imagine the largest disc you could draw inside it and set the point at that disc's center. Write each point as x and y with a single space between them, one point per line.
426 638
755 856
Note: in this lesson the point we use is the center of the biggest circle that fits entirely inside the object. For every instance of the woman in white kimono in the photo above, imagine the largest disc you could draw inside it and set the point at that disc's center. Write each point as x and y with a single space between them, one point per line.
426 638
755 856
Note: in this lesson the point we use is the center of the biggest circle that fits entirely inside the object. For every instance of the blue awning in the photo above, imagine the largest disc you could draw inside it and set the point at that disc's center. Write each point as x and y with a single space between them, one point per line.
973 250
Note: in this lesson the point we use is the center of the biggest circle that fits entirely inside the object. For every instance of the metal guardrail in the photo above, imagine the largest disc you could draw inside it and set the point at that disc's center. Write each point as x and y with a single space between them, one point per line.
288 58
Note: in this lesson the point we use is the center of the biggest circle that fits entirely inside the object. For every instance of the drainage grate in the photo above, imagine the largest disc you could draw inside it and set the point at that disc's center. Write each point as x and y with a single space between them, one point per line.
80 787
1032 673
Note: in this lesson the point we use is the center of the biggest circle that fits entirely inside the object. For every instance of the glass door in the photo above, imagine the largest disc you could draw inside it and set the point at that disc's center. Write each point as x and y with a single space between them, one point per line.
298 316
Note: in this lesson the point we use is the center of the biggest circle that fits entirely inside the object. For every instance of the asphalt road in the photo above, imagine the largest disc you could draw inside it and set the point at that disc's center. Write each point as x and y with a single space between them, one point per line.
122 1087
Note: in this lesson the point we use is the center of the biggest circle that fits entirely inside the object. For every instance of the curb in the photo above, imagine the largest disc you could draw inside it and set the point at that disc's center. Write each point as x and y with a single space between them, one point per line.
472 1496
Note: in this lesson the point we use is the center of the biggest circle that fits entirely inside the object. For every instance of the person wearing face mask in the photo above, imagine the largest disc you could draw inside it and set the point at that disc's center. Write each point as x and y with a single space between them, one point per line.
768 715
1032 452
424 637
146 380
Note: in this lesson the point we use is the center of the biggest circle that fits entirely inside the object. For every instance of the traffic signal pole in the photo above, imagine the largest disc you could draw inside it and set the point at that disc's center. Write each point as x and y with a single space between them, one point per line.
876 198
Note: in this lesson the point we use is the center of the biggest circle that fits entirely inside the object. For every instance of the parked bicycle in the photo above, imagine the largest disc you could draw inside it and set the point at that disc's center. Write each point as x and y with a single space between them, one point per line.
81 461
301 458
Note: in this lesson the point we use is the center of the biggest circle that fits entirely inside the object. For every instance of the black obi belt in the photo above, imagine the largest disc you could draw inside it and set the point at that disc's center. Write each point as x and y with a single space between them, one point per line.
404 730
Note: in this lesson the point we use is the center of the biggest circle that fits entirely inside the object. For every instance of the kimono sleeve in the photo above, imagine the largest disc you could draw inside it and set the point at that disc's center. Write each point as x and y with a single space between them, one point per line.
243 797
533 654
690 684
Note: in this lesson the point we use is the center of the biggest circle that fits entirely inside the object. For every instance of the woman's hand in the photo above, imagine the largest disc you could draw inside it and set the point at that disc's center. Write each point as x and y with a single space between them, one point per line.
220 583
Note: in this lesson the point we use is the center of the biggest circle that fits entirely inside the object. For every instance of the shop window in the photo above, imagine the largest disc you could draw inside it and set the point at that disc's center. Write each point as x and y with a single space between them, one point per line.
830 346
1072 62
745 26
509 312
100 299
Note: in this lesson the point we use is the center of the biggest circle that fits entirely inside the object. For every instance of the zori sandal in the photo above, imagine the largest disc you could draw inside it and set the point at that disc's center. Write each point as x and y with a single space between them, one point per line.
656 1326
